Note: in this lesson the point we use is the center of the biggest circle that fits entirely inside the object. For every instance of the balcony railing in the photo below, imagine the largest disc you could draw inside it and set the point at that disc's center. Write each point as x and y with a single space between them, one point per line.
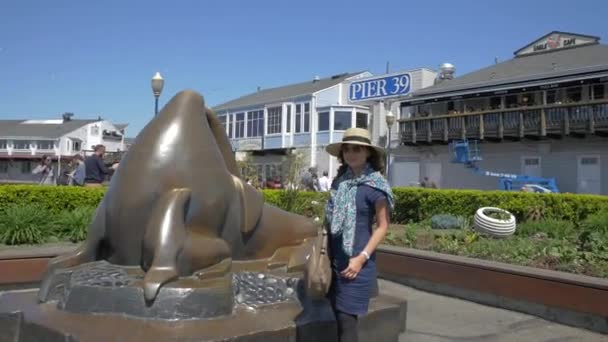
515 123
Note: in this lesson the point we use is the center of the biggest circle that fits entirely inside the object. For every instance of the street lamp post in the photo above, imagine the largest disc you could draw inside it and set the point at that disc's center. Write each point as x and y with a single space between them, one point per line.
157 87
390 119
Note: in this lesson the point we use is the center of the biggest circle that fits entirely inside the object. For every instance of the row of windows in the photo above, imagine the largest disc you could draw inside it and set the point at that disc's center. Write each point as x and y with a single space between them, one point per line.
24 166
342 121
26 144
40 144
570 94
255 121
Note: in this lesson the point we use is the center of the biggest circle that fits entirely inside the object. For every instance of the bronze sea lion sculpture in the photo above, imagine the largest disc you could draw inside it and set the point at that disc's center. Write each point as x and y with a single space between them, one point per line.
177 206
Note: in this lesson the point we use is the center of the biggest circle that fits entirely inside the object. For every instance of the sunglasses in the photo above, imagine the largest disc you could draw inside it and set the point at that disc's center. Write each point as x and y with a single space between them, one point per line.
352 148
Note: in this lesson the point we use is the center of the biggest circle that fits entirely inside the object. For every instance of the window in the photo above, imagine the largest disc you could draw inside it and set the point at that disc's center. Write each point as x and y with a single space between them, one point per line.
229 121
298 118
3 166
44 145
255 123
26 167
551 96
323 121
598 91
3 144
21 144
342 121
361 120
531 166
222 119
574 94
288 127
589 161
272 171
528 99
511 101
307 117
94 130
76 146
495 102
274 120
239 125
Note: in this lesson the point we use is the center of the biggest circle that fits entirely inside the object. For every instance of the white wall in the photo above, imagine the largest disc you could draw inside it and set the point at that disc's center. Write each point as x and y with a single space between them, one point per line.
427 78
329 96
85 134
558 159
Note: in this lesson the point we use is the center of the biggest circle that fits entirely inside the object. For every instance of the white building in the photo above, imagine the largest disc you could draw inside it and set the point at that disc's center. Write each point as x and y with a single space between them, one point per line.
24 142
543 113
306 117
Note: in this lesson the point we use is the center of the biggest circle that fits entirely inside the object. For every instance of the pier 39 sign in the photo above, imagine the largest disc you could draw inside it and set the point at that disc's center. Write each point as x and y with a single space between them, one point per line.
380 87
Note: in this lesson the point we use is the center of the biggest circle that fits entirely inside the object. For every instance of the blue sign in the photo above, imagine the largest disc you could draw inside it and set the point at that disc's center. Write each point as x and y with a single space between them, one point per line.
380 88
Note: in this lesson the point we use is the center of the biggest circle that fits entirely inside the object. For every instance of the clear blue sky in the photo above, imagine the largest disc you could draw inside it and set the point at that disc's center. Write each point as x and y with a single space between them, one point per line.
97 57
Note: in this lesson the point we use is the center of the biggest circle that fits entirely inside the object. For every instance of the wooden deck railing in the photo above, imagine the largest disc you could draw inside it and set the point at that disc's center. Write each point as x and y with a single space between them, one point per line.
514 123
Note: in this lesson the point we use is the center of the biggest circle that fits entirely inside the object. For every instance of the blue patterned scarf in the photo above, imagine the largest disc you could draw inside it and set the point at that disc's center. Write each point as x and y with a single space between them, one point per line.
341 211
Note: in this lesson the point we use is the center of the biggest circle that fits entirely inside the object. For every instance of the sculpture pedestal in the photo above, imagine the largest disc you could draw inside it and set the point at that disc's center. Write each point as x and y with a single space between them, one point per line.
102 302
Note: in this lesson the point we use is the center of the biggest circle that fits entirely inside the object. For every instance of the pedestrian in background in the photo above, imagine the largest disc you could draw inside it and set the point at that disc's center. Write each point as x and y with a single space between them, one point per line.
324 183
45 171
77 175
96 170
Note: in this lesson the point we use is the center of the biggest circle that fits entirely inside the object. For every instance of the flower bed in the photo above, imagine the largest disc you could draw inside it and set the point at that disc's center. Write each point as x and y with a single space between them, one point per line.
550 244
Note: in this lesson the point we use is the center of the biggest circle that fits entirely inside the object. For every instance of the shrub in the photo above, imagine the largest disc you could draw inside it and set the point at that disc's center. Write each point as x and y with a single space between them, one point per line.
412 204
416 204
311 204
597 222
52 198
25 224
555 229
73 224
446 222
593 239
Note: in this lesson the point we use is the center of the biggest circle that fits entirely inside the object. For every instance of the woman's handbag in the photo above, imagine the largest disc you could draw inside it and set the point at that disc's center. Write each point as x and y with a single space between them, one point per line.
317 274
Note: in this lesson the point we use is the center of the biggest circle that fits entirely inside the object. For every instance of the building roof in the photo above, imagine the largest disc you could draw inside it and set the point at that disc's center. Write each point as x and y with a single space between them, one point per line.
272 95
121 126
44 129
548 65
592 39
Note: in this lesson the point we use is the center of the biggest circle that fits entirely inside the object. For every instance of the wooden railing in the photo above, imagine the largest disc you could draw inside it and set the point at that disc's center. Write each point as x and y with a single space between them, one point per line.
514 123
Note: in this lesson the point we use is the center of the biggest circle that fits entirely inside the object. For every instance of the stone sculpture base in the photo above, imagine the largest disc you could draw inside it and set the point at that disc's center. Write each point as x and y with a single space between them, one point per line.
104 302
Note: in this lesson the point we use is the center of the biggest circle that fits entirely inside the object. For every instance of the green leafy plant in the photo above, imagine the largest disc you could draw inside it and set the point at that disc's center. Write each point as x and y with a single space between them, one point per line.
412 204
556 229
73 224
499 215
597 222
29 224
446 221
535 213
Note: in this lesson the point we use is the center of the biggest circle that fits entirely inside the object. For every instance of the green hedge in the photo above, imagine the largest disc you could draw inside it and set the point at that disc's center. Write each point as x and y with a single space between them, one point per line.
53 198
415 204
412 204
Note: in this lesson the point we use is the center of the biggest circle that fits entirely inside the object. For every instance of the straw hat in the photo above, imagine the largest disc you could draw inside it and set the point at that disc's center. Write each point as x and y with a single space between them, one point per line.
354 136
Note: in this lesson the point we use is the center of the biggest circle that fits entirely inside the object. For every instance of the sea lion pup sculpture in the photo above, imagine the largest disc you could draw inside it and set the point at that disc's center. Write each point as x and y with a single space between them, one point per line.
176 205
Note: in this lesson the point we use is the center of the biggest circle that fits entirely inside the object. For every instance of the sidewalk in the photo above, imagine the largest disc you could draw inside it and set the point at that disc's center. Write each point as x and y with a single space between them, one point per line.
436 318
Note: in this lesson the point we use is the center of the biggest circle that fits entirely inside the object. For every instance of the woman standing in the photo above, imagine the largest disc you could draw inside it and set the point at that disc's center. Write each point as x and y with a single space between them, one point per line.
358 194
45 170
